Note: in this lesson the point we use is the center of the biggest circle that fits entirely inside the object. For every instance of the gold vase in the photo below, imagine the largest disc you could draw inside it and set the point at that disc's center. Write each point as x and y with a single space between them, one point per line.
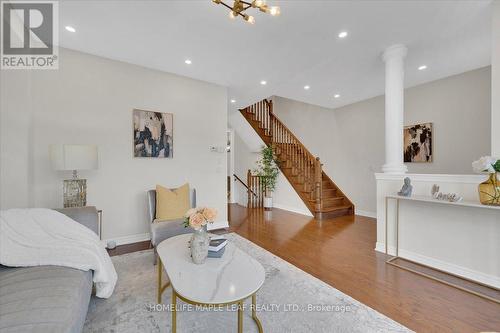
489 191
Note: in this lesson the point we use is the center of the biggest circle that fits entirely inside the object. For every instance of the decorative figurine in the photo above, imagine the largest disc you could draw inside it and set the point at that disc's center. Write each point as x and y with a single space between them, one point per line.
450 197
406 189
435 190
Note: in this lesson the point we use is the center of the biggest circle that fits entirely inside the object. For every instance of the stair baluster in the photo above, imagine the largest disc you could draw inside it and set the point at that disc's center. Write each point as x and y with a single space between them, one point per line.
318 182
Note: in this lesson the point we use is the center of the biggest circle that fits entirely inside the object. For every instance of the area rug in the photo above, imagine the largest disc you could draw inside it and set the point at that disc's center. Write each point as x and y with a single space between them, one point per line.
290 300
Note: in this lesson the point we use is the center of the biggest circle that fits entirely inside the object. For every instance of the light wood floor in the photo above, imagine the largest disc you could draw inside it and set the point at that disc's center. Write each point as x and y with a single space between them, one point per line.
341 253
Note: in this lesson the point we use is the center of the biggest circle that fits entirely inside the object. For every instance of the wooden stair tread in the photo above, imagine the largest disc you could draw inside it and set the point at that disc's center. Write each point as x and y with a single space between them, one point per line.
329 192
332 199
335 208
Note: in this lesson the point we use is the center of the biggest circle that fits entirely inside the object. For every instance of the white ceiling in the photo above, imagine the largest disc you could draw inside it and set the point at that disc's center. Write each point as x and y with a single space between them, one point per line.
298 48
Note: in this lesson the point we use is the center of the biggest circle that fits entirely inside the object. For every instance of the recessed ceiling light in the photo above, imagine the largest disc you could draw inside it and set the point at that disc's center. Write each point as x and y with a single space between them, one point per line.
188 62
336 96
233 101
263 82
70 28
307 87
343 34
423 67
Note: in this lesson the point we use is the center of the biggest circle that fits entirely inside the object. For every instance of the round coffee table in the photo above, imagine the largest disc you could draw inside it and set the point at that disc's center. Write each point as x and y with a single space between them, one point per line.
218 282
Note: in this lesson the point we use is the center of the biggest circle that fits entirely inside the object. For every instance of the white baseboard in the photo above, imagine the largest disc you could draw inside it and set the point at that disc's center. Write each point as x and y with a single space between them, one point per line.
129 239
146 236
366 213
468 273
292 209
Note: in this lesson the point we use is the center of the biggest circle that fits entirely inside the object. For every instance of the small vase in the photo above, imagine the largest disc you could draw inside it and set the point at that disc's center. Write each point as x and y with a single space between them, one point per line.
489 191
199 245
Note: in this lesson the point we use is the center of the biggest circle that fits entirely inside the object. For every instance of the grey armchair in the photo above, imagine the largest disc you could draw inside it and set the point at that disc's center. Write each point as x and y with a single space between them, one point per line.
166 229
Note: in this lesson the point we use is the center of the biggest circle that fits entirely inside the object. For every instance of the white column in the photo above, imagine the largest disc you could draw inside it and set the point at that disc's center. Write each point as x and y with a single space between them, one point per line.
394 108
495 81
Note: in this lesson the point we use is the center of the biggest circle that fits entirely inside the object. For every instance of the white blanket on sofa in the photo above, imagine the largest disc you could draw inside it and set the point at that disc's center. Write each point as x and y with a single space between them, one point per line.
39 236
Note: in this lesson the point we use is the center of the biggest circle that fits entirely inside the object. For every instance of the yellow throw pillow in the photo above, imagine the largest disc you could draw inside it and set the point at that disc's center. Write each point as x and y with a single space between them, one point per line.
172 204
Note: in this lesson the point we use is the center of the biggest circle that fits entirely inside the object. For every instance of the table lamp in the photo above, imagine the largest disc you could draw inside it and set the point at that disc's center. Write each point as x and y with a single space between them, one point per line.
74 157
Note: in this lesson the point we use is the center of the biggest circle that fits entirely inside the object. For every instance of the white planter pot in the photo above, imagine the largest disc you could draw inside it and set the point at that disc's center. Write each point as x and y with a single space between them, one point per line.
268 203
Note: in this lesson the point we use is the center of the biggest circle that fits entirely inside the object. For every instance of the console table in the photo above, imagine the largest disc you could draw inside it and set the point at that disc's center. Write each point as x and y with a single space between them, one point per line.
430 200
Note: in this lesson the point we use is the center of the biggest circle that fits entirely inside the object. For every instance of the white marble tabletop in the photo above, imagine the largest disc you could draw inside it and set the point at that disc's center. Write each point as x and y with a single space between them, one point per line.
233 277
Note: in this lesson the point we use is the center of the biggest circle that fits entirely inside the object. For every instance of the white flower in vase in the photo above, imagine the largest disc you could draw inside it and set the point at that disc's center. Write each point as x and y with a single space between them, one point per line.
485 164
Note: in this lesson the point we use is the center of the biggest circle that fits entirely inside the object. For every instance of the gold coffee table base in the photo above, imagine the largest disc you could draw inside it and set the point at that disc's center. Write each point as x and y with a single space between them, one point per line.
161 289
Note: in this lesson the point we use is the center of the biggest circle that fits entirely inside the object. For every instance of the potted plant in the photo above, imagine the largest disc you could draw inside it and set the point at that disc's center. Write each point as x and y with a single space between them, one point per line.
268 171
489 191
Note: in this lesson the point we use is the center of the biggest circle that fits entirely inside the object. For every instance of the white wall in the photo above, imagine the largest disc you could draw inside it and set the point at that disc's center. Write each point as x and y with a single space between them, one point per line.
244 160
495 65
16 136
460 108
90 100
239 124
350 140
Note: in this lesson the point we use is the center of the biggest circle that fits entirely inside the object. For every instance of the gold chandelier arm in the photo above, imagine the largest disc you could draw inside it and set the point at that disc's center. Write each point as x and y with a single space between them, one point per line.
237 12
240 6
227 6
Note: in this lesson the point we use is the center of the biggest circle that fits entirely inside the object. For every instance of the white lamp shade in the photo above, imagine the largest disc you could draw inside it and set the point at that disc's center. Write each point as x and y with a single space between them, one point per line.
73 157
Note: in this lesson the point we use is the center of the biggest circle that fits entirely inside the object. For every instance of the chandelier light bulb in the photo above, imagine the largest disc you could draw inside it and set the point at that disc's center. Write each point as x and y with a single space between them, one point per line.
250 19
259 3
232 15
274 11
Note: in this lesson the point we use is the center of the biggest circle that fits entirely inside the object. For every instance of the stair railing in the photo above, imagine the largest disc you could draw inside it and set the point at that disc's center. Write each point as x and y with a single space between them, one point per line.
276 134
255 187
236 178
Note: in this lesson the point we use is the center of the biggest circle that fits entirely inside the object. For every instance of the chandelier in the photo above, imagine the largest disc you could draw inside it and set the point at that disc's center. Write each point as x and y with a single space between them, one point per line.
239 7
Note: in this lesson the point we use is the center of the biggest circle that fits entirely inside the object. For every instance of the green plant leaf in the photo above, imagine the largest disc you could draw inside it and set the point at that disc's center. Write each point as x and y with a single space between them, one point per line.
496 166
267 168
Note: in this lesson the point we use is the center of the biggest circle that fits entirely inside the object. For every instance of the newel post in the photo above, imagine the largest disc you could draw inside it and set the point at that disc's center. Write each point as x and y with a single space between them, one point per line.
271 121
318 184
249 185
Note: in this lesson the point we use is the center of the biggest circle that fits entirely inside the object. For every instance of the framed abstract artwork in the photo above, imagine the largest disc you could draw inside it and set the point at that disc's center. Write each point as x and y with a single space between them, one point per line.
153 134
418 143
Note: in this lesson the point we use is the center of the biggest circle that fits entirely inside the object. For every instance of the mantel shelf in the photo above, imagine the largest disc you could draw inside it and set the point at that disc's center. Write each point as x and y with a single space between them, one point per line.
422 198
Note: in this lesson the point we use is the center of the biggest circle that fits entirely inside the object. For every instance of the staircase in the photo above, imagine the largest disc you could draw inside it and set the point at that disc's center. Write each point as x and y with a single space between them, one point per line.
302 169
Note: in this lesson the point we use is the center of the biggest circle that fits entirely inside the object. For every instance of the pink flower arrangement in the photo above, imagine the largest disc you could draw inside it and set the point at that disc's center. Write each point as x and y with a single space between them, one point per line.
196 218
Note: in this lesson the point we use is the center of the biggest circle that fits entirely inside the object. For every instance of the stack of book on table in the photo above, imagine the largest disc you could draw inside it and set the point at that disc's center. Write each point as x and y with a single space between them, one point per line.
216 247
